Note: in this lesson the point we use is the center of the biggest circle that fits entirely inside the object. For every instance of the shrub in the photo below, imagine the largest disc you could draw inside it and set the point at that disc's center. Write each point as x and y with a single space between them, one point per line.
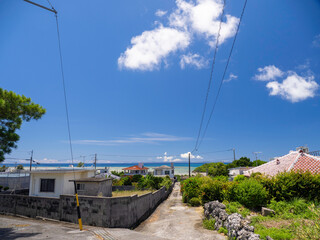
126 181
178 177
20 167
209 223
6 188
251 193
136 178
223 230
1 188
221 178
191 188
212 190
274 233
150 182
239 178
195 202
166 182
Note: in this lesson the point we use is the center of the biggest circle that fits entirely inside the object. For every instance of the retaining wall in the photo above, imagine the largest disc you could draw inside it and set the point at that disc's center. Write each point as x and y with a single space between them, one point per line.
122 212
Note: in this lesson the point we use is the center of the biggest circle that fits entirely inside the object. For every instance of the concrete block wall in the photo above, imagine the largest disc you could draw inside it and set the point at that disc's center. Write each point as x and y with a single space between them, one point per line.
120 212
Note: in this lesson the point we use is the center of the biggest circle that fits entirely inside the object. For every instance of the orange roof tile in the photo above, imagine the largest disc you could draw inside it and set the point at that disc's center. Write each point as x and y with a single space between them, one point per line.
136 167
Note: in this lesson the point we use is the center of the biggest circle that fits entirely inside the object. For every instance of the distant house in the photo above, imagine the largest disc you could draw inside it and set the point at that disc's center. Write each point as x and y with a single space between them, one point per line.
53 183
233 172
164 170
139 169
294 161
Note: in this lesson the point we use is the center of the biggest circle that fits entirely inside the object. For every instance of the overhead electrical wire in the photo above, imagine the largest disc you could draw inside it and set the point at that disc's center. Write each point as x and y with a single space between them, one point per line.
210 78
223 76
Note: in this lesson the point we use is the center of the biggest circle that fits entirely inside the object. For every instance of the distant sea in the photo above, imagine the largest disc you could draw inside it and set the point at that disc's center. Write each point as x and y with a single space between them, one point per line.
180 168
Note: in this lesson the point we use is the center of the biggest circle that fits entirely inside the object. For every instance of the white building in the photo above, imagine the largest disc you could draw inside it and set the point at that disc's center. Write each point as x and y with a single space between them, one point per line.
164 170
233 172
53 183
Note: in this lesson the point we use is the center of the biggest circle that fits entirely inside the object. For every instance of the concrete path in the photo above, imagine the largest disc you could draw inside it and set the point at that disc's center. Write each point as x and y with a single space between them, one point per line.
27 228
175 220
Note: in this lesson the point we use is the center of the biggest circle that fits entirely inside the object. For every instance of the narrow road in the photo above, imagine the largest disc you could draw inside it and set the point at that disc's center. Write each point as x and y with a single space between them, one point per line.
175 220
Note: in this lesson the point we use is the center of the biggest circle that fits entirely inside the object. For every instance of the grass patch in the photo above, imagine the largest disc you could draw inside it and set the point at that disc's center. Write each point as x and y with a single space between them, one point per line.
223 230
129 193
209 223
235 207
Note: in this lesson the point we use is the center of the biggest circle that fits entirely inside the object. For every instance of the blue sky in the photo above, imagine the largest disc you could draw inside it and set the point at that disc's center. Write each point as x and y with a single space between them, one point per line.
137 73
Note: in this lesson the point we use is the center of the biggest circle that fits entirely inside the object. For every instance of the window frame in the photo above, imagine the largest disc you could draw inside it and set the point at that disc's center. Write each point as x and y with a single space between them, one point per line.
45 188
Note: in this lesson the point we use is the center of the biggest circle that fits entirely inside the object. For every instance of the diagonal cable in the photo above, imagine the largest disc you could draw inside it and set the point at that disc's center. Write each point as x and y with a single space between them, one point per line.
224 73
210 79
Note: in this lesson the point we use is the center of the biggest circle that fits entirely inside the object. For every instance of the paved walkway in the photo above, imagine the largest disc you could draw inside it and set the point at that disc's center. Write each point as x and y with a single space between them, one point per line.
175 220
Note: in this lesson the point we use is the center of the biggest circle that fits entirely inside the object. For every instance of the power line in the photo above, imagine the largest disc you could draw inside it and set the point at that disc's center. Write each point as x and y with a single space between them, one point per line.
224 73
227 150
210 79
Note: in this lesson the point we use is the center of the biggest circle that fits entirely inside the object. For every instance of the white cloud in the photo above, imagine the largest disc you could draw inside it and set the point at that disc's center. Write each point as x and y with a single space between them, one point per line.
160 13
194 60
151 47
268 73
186 156
294 88
231 77
316 41
204 18
150 138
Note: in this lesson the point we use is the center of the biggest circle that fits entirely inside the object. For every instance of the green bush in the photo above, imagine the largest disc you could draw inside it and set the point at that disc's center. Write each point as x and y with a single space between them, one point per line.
191 188
212 190
6 188
195 202
274 233
239 178
223 230
150 182
166 182
136 178
209 223
251 193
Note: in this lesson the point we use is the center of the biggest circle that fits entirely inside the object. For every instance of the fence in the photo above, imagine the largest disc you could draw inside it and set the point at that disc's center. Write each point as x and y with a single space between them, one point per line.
122 212
14 180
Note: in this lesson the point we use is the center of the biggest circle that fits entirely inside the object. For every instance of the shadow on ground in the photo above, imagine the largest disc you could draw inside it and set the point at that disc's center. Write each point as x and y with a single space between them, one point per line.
9 234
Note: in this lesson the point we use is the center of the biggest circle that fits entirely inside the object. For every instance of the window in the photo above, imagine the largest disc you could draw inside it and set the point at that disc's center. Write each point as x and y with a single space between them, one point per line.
167 172
47 185
172 171
80 186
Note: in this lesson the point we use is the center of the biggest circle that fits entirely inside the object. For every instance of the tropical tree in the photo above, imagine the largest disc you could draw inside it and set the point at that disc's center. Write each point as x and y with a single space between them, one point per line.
14 109
80 164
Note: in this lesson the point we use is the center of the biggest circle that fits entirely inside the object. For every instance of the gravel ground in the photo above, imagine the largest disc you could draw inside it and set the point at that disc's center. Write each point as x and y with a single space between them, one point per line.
175 220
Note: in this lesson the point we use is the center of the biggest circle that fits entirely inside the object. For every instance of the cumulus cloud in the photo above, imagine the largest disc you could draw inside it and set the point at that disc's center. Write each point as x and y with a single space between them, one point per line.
186 156
231 77
160 13
151 48
194 60
294 88
268 73
290 86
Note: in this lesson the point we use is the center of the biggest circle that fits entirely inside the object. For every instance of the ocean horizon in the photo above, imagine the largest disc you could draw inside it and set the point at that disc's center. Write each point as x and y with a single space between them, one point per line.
180 168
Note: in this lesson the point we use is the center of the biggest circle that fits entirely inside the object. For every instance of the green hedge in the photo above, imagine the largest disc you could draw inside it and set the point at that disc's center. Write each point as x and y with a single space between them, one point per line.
256 191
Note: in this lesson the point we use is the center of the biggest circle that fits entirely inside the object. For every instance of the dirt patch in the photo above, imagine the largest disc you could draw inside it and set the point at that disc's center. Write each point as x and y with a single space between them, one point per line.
276 224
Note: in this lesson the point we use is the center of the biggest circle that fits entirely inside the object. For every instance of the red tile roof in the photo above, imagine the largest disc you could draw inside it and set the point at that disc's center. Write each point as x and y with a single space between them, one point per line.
294 161
136 167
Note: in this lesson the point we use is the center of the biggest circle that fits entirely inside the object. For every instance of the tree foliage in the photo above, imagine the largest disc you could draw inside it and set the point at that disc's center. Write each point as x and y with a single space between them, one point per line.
14 109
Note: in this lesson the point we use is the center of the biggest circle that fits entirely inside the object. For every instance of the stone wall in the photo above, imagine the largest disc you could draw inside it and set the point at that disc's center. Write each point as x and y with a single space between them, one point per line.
123 212
237 226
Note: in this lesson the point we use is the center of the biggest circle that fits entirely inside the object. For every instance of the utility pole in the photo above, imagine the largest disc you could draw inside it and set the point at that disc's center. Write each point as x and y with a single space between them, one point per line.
31 160
189 164
256 153
234 154
95 161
